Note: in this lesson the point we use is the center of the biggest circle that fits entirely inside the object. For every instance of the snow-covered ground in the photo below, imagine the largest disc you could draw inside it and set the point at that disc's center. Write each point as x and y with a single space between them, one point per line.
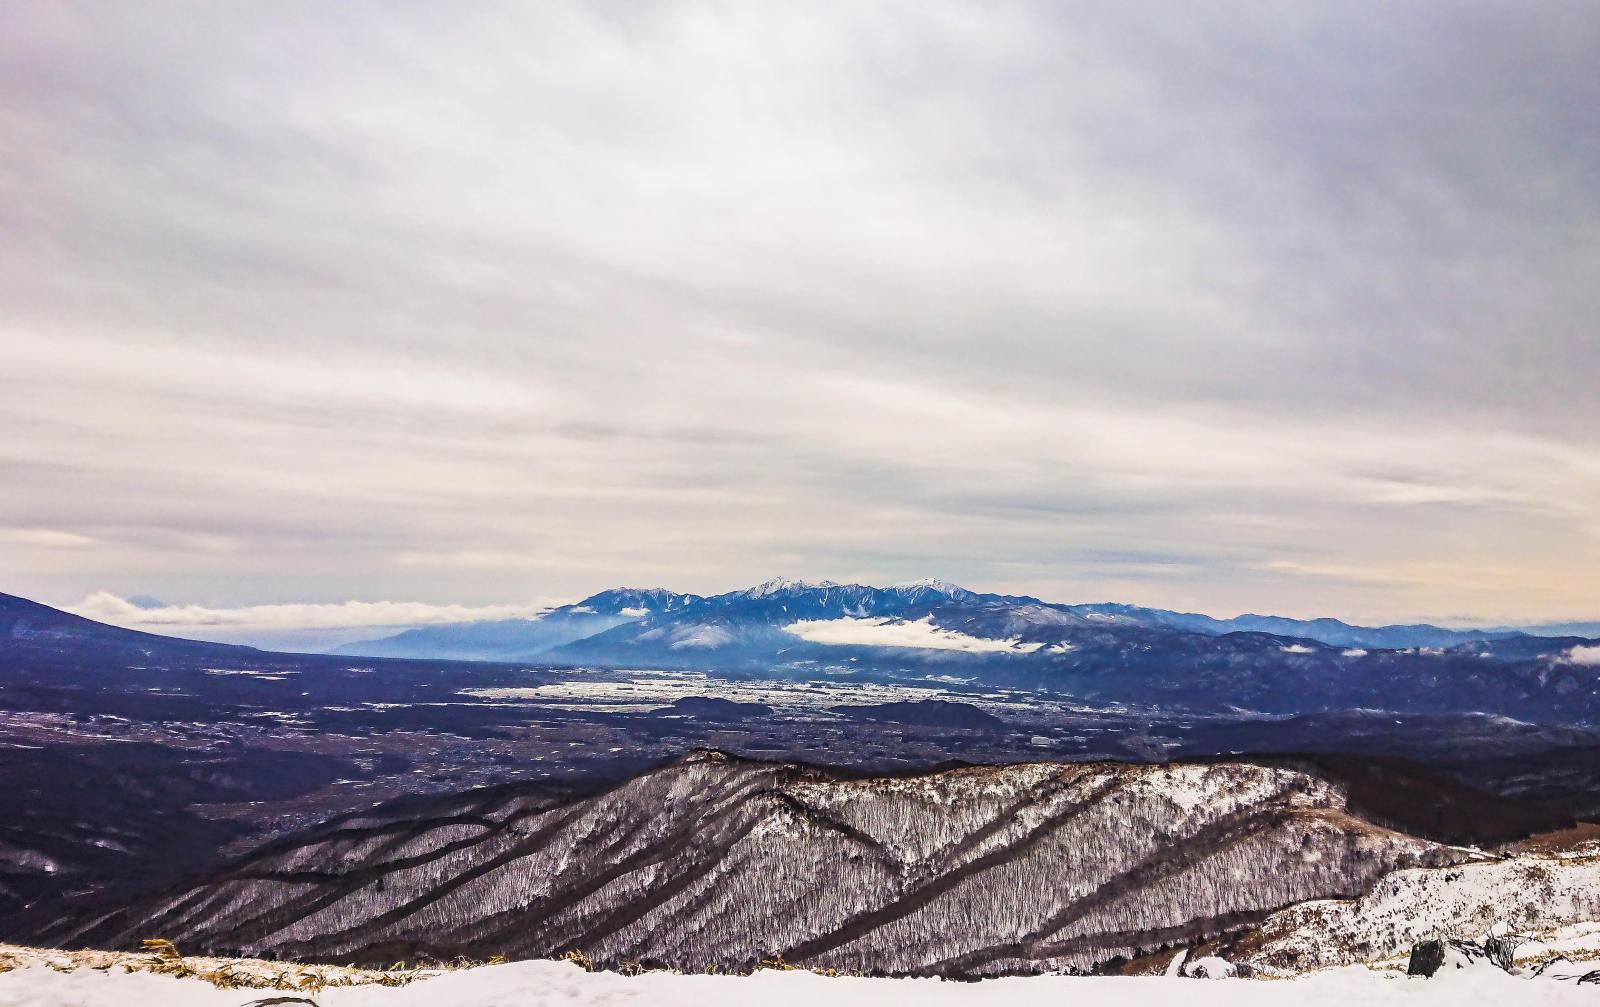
1533 893
560 984
640 691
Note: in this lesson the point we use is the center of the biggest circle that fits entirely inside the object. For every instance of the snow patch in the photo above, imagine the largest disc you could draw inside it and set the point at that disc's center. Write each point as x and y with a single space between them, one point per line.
931 584
704 637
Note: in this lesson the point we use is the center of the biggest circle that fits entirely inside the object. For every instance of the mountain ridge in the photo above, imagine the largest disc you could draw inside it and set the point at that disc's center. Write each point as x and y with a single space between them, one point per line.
896 636
28 624
717 861
533 638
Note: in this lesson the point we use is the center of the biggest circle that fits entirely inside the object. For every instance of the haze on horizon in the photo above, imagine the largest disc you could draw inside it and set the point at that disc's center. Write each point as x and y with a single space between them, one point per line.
1222 307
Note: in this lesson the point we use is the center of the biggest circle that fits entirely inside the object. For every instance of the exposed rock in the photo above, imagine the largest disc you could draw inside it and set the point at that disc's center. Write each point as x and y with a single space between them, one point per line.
1210 968
1427 958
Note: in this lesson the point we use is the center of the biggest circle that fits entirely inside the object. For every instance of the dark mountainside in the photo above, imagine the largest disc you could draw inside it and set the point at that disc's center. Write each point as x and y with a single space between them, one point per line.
713 709
718 861
28 628
75 814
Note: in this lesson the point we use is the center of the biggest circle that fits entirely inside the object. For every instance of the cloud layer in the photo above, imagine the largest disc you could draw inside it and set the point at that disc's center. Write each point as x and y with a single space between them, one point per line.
1584 655
919 634
1237 308
103 606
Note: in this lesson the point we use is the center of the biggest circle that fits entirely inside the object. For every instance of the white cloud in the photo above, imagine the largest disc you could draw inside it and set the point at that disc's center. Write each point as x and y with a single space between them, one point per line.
102 606
1585 655
45 538
919 635
1297 648
894 242
1353 652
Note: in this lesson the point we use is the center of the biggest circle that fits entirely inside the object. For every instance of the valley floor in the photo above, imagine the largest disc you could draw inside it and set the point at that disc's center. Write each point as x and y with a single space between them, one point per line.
52 979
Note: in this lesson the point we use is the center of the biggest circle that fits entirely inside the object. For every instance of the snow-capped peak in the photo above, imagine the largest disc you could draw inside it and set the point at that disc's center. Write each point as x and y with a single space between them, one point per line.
932 583
780 585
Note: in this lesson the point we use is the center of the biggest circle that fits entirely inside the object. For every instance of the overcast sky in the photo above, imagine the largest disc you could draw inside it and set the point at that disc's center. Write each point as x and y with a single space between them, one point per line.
1284 307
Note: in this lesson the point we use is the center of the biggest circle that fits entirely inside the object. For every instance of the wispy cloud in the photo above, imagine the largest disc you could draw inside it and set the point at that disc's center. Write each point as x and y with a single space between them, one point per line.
103 606
1586 655
45 538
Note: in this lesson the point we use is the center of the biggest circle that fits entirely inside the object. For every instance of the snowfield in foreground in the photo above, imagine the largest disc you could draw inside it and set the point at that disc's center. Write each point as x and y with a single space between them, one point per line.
560 984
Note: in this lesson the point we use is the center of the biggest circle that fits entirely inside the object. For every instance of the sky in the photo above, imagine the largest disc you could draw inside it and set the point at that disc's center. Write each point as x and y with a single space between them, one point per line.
1276 307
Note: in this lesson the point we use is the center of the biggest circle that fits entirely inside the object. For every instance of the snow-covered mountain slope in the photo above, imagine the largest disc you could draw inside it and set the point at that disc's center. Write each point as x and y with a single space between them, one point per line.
562 984
1532 891
716 861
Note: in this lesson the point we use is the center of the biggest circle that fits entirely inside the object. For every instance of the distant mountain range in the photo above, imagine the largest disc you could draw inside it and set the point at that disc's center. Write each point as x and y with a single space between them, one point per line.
623 625
936 632
928 633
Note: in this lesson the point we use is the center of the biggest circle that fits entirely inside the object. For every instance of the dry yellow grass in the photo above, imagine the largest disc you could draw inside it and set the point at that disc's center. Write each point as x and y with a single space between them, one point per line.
162 957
